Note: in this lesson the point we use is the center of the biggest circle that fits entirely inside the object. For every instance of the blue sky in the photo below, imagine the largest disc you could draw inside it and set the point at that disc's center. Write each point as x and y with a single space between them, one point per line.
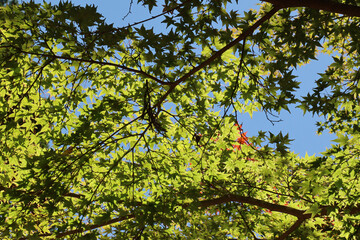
300 128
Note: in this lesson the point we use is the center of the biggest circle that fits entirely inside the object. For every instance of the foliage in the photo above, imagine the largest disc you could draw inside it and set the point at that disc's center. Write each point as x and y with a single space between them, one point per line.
128 133
5 2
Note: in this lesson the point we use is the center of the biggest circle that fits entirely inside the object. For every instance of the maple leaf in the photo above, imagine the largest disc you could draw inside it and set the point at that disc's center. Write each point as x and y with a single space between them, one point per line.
243 139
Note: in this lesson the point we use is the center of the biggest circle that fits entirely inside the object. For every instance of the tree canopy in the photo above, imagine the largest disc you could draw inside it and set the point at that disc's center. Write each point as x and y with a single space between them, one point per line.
130 133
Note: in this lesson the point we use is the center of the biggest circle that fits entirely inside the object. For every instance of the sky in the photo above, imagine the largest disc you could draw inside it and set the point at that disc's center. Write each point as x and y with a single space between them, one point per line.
300 127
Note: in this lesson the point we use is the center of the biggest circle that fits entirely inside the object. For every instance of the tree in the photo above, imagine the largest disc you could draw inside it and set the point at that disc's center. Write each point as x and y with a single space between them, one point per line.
128 133
4 2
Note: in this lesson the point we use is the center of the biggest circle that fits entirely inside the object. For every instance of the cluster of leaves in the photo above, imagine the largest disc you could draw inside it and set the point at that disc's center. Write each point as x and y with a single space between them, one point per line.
99 125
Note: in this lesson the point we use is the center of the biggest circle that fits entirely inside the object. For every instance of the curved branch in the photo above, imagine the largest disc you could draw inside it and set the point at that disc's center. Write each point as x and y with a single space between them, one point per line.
170 10
256 202
325 5
300 214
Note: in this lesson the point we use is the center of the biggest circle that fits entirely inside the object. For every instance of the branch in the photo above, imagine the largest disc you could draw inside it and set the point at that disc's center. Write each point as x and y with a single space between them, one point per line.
301 217
248 227
89 227
292 228
325 5
101 63
38 193
204 204
300 214
153 17
74 195
253 201
131 3
11 110
218 54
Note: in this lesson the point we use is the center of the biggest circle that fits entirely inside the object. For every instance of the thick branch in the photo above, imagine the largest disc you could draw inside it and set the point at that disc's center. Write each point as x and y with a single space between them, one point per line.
252 201
300 214
325 5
